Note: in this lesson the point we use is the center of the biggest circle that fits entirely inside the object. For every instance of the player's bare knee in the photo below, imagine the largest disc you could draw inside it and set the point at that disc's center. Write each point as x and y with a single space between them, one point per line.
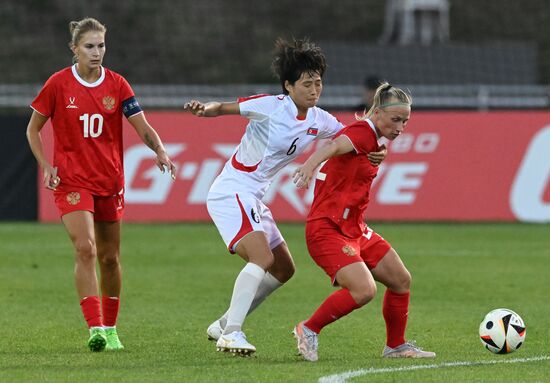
402 282
109 260
406 280
262 259
289 271
363 294
85 250
283 271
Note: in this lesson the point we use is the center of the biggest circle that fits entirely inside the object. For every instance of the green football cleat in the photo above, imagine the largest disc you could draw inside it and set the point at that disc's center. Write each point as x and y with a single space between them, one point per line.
113 343
97 340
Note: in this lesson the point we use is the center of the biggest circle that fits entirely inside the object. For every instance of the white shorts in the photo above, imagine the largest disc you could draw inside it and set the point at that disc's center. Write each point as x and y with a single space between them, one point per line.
236 215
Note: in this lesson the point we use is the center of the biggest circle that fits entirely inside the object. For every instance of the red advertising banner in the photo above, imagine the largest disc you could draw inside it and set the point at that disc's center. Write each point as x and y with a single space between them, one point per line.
457 166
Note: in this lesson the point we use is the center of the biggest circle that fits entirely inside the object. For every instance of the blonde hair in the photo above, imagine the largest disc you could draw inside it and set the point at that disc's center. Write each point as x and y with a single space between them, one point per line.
386 95
81 27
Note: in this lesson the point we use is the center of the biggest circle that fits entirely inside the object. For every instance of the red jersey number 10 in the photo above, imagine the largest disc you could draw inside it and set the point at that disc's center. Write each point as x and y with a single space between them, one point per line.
93 125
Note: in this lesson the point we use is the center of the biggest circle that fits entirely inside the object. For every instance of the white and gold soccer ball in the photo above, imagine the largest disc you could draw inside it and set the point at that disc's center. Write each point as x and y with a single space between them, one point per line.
502 331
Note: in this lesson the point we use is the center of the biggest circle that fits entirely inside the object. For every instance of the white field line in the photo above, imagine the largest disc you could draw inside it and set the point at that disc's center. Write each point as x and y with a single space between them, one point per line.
344 376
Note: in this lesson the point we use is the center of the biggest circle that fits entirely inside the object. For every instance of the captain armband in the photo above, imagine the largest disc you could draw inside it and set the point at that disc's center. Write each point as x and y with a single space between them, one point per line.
130 107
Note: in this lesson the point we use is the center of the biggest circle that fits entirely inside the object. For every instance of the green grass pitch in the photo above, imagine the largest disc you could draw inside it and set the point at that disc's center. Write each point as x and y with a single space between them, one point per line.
178 278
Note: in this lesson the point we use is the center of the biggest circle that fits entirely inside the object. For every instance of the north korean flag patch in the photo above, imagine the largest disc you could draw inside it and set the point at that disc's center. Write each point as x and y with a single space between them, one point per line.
312 131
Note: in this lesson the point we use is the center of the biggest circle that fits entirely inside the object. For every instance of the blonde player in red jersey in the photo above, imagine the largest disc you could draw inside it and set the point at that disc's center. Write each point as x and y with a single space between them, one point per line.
280 128
86 103
338 240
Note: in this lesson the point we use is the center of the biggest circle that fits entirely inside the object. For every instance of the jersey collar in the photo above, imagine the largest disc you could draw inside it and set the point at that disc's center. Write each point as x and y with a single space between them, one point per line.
371 124
85 83
294 109
379 139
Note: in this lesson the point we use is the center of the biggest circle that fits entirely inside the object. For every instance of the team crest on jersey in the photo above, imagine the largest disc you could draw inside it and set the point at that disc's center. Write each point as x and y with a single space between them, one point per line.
348 250
108 102
71 104
73 198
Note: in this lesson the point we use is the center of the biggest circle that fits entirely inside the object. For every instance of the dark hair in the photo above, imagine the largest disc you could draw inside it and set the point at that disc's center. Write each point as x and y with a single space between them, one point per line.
291 59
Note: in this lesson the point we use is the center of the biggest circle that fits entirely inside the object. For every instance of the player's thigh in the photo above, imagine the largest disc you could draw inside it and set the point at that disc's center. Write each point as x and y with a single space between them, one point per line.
391 272
107 235
80 227
253 247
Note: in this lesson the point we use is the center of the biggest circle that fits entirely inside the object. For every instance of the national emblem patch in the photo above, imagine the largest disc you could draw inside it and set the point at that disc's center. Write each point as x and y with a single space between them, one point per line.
108 102
348 250
73 198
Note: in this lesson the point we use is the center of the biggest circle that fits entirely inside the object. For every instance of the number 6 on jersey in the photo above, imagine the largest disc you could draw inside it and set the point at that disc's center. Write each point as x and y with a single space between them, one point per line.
91 129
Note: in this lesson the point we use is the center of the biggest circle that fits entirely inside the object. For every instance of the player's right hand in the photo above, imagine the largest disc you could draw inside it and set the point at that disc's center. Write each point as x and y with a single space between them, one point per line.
51 180
195 107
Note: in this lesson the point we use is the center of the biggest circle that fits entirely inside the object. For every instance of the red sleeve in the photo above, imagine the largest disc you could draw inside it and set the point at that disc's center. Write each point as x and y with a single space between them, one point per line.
362 137
126 90
44 103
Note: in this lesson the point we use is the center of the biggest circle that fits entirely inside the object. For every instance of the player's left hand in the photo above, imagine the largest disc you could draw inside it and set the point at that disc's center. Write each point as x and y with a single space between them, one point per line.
163 163
302 176
376 158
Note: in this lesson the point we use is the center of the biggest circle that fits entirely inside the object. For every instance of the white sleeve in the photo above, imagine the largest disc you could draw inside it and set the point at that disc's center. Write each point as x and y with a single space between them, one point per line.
258 107
329 125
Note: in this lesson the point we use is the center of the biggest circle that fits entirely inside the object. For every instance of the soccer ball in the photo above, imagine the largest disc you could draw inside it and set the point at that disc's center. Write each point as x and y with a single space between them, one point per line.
502 331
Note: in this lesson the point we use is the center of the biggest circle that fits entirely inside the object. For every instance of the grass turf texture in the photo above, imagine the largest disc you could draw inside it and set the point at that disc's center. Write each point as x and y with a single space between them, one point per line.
178 278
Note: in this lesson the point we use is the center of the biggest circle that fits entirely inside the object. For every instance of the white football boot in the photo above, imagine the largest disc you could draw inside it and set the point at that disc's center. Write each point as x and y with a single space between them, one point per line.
307 342
236 343
215 330
407 350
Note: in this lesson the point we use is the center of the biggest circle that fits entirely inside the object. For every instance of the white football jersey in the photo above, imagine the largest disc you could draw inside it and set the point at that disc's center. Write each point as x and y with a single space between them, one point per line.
274 137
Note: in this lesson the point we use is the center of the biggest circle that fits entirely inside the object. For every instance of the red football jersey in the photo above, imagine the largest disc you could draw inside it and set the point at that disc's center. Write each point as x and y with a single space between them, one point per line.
87 127
343 183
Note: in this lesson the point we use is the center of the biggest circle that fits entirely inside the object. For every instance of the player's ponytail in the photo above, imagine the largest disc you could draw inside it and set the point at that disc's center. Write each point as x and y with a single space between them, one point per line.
387 95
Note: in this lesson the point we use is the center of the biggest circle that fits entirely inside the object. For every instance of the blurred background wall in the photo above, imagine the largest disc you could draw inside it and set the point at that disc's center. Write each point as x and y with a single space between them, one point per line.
482 55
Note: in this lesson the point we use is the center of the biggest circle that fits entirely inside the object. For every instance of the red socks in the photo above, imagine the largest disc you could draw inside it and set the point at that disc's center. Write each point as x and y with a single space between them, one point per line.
91 308
92 311
337 305
110 310
396 312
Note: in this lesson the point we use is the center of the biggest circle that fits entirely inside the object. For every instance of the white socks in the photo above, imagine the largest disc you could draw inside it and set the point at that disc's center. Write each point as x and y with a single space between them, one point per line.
268 285
246 287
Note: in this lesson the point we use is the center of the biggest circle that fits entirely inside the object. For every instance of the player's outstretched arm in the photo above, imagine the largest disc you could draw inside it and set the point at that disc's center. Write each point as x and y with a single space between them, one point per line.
212 109
150 138
303 174
36 123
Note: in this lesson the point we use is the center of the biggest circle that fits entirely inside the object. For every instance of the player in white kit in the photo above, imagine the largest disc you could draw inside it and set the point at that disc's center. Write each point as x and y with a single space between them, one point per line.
279 130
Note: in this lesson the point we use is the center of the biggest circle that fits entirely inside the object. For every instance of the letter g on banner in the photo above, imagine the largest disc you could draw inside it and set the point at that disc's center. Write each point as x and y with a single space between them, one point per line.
527 194
160 184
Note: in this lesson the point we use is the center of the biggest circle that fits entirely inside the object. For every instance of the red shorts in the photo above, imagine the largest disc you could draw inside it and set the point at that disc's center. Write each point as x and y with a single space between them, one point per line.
331 250
104 208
